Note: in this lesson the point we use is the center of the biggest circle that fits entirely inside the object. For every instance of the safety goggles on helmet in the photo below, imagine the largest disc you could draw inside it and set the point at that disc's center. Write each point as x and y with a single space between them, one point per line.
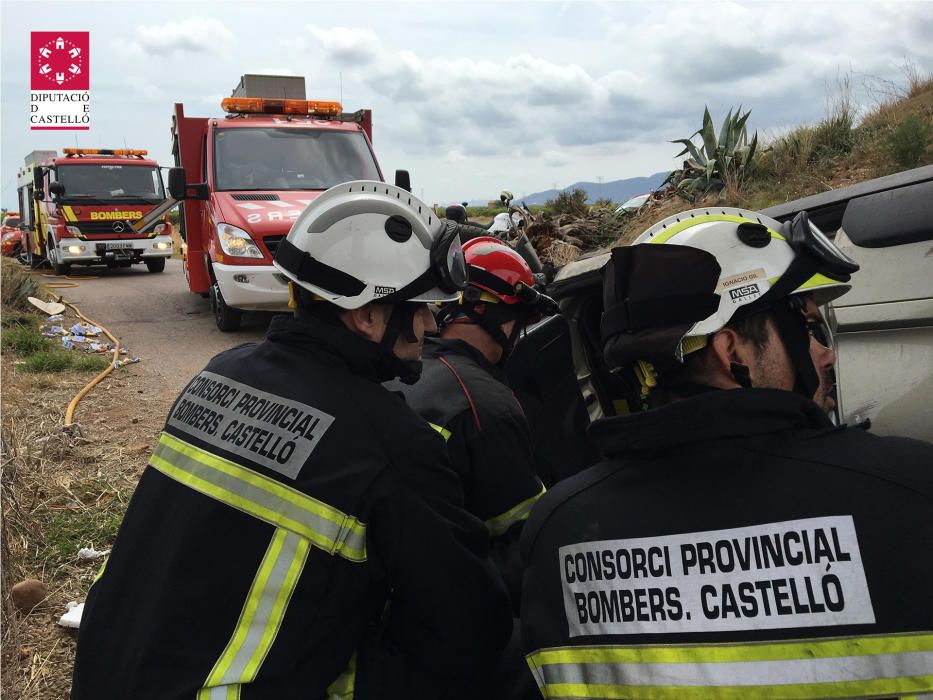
447 261
806 238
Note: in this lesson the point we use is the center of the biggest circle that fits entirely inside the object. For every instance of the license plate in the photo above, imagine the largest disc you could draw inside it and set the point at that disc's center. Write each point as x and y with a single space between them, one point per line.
119 245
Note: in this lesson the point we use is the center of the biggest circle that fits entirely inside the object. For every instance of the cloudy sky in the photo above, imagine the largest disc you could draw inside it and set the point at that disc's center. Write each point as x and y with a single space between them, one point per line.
473 97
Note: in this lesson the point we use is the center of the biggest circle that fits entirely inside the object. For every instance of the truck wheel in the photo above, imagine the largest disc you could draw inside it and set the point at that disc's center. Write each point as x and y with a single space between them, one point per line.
59 268
227 318
155 264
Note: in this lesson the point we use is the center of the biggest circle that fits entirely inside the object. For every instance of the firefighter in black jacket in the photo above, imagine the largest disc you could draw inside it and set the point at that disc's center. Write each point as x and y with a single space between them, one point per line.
464 396
299 533
736 543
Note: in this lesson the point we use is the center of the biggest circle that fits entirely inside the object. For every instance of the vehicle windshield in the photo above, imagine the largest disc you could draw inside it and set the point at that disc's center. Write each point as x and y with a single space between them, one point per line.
11 221
290 159
110 182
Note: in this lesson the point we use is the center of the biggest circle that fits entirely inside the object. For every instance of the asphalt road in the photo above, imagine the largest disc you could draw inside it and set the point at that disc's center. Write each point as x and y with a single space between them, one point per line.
157 319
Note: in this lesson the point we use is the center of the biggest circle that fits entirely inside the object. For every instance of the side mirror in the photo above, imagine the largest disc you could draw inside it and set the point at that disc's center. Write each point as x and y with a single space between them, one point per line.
56 189
465 204
176 183
403 180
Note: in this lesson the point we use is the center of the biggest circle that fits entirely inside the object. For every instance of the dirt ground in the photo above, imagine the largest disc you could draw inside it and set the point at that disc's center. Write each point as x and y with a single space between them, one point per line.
81 481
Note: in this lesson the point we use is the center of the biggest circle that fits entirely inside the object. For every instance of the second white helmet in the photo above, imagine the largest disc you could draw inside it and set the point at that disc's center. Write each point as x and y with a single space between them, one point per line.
367 241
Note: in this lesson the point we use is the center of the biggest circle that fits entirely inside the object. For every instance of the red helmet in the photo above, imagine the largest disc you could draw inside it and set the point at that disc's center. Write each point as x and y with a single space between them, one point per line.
487 257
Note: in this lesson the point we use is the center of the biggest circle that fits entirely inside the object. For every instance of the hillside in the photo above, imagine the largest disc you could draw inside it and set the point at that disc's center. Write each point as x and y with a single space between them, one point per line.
616 191
892 135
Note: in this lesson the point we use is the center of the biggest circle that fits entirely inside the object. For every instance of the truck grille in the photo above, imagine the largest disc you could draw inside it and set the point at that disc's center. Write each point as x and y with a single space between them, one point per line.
272 243
255 197
104 228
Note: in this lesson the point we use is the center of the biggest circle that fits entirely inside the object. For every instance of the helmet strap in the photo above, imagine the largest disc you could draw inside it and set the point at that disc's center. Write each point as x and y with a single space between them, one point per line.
792 327
401 323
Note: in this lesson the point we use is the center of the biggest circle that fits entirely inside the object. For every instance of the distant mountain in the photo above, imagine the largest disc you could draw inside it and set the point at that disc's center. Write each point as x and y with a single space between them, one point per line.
617 190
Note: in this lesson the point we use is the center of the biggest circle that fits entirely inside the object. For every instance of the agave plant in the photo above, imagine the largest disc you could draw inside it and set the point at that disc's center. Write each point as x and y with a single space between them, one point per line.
715 161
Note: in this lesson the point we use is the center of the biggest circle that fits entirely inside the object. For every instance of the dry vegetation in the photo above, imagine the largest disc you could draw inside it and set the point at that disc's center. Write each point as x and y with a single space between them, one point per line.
894 134
61 490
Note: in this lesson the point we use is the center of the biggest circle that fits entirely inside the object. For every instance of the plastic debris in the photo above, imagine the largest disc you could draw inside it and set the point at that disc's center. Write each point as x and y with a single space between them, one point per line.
72 618
67 344
117 364
91 553
56 317
53 308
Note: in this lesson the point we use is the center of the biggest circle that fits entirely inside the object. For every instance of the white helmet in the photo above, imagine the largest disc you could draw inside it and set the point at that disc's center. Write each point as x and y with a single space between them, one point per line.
689 275
754 252
366 241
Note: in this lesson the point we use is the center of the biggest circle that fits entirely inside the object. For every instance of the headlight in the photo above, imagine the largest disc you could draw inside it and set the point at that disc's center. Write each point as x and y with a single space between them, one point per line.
158 228
236 242
163 246
7 236
73 230
76 249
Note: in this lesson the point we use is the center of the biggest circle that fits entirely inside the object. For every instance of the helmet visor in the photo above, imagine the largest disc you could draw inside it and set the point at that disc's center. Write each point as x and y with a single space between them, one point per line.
447 261
806 237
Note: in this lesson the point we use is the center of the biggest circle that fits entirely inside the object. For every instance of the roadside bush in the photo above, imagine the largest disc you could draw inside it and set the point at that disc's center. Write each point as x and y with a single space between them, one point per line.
91 363
573 203
16 285
909 141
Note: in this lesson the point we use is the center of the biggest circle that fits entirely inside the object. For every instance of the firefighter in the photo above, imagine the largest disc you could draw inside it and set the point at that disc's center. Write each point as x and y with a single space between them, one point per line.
735 543
464 395
299 532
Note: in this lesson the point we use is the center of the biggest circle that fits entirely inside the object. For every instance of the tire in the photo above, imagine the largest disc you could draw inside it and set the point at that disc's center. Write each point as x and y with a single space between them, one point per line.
227 318
59 268
155 264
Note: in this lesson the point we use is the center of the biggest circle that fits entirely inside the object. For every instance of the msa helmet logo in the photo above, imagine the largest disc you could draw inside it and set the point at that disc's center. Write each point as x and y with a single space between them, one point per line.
743 292
383 291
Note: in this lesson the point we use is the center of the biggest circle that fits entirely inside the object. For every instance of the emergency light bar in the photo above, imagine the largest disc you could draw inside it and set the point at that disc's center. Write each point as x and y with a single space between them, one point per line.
103 152
265 105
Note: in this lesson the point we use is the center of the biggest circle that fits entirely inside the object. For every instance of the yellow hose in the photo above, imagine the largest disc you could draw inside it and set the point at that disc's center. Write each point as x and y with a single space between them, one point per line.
70 411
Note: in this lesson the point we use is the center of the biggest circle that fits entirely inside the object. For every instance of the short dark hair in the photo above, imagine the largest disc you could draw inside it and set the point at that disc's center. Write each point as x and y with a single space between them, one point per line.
674 384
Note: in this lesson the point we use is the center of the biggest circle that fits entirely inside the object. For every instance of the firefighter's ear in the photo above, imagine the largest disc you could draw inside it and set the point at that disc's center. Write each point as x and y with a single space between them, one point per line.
368 321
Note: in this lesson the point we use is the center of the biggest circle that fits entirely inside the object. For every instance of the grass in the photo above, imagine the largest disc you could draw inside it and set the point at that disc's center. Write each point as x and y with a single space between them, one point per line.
40 354
88 516
16 285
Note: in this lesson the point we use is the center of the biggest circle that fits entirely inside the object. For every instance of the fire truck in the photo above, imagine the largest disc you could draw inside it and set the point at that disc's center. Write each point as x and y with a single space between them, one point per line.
95 206
249 175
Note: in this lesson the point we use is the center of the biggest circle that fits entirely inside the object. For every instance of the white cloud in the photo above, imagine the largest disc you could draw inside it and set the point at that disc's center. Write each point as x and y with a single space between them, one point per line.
347 45
190 35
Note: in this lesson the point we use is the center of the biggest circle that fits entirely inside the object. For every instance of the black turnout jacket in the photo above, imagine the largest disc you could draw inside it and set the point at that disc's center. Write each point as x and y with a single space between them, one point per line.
734 544
297 534
468 401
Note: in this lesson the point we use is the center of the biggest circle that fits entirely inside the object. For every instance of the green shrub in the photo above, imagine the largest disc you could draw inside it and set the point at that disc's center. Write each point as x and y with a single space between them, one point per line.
54 360
18 319
91 363
573 203
16 285
909 141
24 340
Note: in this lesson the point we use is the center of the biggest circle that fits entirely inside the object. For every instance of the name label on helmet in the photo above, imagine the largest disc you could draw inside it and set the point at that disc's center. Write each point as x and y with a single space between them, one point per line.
797 573
741 278
272 431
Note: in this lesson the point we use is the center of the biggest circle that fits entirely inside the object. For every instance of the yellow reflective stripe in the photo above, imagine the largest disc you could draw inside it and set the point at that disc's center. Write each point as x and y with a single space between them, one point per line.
822 648
501 523
802 691
345 686
262 613
443 431
69 214
673 230
100 572
798 669
262 497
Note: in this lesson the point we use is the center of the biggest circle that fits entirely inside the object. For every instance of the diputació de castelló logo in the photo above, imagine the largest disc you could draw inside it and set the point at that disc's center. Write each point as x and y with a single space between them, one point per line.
60 81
